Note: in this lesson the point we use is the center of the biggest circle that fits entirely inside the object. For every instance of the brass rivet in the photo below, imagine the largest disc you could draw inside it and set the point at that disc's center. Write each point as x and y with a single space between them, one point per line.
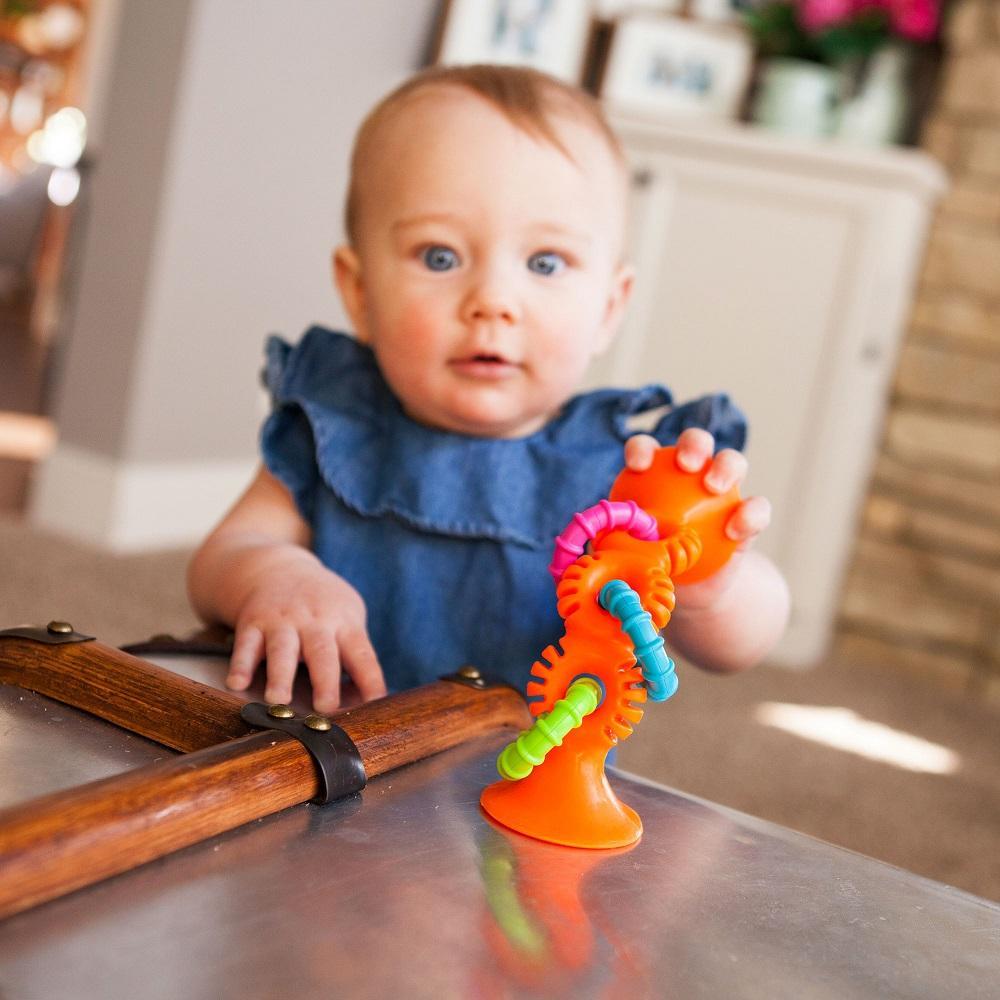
280 712
320 722
469 673
60 628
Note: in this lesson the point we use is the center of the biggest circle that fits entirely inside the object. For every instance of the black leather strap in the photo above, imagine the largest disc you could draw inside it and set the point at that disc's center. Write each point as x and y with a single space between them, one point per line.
48 636
338 762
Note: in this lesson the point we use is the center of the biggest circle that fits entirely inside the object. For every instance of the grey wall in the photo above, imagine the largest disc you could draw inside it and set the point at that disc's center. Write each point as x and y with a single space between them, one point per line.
119 213
213 209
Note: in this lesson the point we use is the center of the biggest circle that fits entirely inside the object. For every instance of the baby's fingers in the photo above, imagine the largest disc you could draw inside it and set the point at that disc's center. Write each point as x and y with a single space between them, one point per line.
282 661
322 656
694 449
248 649
362 664
728 469
749 519
639 451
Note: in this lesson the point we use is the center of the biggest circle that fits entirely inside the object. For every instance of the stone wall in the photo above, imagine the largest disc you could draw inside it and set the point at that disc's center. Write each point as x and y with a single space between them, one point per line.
923 591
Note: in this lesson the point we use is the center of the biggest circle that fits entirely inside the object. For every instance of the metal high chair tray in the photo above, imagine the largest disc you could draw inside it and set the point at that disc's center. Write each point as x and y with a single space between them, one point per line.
409 890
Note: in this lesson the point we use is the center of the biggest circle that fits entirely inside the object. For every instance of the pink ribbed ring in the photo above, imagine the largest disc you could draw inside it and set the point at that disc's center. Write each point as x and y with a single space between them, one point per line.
585 526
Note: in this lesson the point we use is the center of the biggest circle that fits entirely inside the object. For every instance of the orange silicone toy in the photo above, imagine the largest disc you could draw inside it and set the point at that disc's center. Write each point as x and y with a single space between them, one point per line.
567 799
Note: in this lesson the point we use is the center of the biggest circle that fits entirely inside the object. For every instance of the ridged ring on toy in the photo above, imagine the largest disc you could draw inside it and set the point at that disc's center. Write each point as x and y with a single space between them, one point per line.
585 526
618 598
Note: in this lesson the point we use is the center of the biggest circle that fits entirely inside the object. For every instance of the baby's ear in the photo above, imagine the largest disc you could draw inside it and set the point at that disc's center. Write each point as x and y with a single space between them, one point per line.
619 293
347 276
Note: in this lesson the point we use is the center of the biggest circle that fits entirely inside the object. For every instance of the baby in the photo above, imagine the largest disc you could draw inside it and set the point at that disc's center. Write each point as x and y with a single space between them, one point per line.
416 475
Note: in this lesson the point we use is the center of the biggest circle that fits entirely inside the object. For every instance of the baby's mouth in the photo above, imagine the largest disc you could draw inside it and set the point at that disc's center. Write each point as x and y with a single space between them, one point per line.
484 364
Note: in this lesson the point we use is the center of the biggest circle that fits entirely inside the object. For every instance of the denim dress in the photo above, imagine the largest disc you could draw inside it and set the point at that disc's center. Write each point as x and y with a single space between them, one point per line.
447 537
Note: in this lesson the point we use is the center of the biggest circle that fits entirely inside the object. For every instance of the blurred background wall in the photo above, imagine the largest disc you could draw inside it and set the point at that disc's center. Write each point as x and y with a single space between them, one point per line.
211 209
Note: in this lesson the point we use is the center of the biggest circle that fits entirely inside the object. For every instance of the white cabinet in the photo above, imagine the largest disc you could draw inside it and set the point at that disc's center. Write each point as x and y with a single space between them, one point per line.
780 272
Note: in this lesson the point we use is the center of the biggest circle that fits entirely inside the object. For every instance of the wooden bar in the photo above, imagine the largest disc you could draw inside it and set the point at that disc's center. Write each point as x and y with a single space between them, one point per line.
432 718
70 839
132 693
64 841
185 715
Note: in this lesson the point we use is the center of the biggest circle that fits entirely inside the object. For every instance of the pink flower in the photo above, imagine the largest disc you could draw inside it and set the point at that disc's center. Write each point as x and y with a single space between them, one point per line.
815 15
914 19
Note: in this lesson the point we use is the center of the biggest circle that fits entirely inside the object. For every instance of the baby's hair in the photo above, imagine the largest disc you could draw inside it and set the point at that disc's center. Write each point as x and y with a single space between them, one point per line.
529 99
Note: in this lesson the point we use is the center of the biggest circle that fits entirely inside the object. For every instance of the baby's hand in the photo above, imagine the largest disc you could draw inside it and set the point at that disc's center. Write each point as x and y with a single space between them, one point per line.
303 611
719 473
731 619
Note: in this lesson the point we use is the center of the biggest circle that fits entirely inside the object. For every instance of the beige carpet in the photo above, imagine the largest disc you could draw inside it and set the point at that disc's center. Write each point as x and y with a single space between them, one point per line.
706 740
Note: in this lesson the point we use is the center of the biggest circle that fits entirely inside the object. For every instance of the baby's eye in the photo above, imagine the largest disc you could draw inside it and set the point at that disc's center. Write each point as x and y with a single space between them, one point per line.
439 258
546 262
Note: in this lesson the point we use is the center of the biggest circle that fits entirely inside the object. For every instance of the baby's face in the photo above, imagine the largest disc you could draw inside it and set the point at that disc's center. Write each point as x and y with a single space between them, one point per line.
486 272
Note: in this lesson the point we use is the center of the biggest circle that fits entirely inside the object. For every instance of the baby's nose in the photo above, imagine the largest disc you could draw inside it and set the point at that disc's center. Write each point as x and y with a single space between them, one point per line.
489 300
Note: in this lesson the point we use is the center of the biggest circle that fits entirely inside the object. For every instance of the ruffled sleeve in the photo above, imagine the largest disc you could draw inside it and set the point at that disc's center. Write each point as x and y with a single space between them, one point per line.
287 444
324 383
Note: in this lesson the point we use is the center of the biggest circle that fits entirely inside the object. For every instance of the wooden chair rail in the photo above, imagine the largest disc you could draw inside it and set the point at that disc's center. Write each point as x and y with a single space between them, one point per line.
132 693
70 839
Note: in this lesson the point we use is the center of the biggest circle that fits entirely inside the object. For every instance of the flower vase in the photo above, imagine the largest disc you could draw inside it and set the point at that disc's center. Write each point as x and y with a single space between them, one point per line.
876 113
797 97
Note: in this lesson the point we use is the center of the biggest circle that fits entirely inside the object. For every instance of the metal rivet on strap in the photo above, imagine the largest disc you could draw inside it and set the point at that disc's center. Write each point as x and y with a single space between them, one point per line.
320 722
338 762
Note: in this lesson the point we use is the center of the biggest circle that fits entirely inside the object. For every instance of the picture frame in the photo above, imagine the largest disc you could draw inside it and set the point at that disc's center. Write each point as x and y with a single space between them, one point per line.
609 9
723 11
662 66
548 35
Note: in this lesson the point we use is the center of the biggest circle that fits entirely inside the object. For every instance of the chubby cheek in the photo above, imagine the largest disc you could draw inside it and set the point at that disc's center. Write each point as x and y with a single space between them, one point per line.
422 323
410 325
567 348
408 340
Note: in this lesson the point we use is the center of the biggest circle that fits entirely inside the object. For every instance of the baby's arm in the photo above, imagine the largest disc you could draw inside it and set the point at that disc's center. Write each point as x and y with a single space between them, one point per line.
255 573
731 620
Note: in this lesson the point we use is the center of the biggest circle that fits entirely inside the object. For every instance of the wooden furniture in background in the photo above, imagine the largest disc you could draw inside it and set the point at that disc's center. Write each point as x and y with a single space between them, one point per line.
781 272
